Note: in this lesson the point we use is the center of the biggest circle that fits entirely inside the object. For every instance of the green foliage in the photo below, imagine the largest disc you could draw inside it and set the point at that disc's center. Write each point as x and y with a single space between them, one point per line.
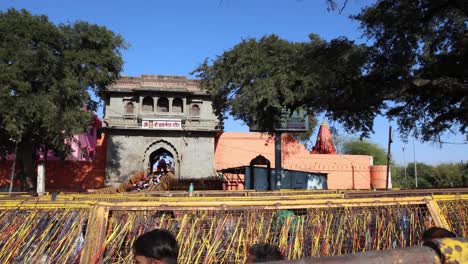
45 74
444 175
253 77
360 147
306 138
399 180
414 72
257 79
419 60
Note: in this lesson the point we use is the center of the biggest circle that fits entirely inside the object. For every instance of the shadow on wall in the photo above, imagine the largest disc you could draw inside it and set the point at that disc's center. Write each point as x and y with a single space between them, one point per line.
113 162
78 176
289 145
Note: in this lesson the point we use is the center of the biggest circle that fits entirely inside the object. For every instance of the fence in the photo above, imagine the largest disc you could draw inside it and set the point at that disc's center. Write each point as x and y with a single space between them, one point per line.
218 229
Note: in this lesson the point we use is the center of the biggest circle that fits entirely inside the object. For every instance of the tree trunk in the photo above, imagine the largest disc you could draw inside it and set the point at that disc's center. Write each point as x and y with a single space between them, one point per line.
13 168
26 151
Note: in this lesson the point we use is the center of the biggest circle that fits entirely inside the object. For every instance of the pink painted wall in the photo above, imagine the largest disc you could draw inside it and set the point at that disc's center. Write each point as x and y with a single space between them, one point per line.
83 145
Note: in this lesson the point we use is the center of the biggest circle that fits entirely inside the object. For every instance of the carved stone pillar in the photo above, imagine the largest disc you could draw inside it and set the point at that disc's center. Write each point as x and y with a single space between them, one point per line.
140 103
170 104
155 104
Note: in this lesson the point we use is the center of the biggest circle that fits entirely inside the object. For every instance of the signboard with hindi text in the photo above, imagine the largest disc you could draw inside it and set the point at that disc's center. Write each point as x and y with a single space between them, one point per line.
295 122
166 124
298 121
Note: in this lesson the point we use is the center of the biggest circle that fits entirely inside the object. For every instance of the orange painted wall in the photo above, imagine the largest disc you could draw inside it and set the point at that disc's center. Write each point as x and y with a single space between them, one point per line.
379 177
344 171
72 176
231 150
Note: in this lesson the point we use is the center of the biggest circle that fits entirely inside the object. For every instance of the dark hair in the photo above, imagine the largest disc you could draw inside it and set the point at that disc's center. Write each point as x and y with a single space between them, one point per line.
158 244
264 253
437 232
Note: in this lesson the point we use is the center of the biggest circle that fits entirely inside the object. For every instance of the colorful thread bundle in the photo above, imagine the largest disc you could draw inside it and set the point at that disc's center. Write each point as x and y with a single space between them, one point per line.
225 236
456 213
42 236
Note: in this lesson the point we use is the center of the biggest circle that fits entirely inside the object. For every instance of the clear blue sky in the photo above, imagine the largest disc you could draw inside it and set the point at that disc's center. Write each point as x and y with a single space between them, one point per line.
173 37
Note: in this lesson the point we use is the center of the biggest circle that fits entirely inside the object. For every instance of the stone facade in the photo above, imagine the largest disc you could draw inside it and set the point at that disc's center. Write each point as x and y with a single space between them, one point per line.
147 114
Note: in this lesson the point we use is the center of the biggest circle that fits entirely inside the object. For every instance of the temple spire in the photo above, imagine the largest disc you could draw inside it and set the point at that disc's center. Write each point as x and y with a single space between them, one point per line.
324 144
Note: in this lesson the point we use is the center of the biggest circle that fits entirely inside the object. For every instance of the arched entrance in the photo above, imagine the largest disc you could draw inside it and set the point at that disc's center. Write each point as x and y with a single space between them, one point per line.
161 161
161 150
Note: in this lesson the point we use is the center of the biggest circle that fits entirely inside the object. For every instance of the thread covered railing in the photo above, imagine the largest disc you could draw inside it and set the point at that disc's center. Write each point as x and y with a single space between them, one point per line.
454 209
42 235
213 236
216 230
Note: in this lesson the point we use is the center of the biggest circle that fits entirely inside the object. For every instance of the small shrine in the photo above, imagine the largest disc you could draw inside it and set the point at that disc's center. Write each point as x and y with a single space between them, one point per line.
324 143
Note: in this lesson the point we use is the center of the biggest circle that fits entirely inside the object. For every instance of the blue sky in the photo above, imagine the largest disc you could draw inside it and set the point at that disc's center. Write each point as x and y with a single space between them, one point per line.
173 37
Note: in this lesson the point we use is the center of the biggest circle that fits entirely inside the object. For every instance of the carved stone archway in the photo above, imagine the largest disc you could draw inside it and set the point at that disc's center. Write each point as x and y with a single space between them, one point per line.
155 146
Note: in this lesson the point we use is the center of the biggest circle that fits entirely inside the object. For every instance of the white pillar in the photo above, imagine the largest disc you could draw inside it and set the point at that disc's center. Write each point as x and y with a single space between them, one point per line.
390 186
184 107
140 104
41 178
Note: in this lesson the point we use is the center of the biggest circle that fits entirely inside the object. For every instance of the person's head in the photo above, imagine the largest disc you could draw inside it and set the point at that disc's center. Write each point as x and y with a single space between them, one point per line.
156 247
435 233
263 253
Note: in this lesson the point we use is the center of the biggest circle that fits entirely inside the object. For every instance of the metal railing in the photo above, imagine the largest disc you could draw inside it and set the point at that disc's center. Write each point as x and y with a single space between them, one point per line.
219 229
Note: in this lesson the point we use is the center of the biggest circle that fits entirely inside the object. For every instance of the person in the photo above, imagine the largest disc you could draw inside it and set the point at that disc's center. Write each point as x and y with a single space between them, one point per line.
156 247
263 253
162 166
435 233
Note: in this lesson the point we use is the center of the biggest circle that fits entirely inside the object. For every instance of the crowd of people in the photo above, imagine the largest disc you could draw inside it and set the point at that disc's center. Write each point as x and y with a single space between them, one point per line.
162 166
159 246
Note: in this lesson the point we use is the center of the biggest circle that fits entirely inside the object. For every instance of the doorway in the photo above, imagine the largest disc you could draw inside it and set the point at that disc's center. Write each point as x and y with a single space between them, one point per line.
161 162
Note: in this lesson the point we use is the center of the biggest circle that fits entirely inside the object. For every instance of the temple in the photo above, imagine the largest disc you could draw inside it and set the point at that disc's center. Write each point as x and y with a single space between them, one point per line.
235 150
154 119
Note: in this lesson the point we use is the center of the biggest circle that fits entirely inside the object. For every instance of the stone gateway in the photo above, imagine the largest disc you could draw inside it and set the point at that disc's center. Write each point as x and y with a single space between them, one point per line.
153 120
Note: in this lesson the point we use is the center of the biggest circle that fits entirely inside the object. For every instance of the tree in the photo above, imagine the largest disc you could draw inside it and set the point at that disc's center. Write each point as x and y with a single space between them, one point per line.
258 79
444 175
415 72
419 59
450 175
360 147
399 180
46 73
426 175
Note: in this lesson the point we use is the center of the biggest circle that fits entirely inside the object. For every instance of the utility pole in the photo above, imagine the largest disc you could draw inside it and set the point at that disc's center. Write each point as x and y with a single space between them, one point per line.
463 174
404 161
415 166
388 155
278 167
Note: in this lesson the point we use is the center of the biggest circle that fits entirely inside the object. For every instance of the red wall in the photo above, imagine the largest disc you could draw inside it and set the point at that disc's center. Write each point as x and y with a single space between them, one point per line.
70 176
